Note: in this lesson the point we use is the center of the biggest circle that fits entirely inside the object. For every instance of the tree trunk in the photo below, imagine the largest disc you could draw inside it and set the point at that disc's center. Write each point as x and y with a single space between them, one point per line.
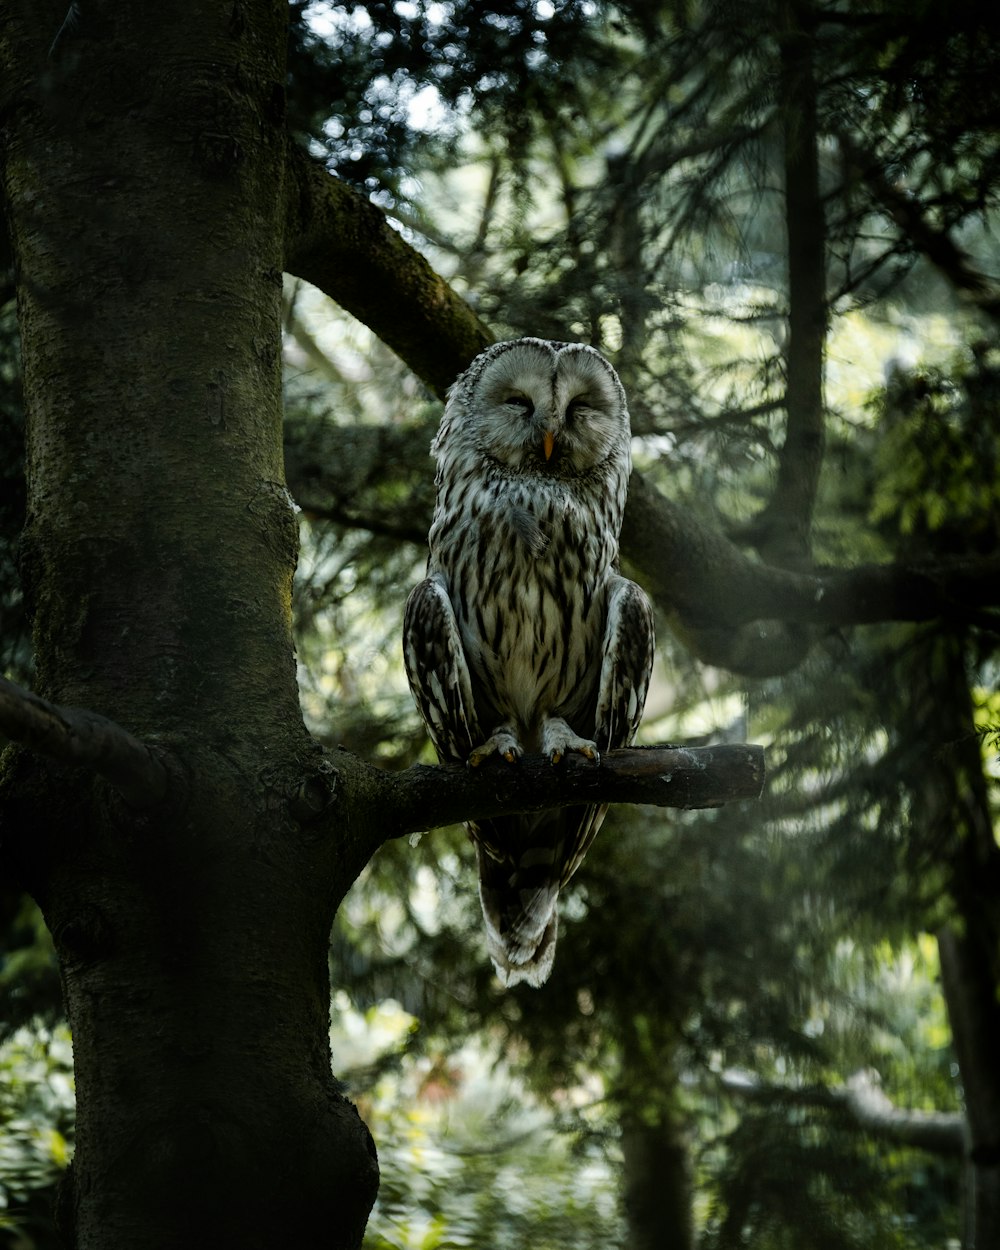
970 992
952 818
784 528
656 1178
657 1186
144 155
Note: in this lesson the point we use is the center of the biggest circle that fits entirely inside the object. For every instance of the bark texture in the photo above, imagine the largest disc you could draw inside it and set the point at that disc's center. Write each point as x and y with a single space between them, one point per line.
143 165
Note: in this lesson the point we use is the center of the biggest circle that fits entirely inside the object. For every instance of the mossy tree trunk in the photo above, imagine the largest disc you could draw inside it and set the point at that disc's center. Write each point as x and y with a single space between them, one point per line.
144 155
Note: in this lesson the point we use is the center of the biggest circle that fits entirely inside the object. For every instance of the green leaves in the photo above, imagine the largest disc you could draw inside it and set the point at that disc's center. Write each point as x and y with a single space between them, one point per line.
938 455
37 1110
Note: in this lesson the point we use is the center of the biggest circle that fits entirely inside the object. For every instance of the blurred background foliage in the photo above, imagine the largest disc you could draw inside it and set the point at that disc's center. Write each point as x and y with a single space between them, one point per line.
731 982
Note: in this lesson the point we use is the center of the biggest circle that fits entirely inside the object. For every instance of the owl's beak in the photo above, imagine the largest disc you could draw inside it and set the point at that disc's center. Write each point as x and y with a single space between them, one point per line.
548 442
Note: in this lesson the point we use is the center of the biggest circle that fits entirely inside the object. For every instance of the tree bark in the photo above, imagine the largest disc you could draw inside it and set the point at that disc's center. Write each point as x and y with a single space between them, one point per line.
78 736
143 166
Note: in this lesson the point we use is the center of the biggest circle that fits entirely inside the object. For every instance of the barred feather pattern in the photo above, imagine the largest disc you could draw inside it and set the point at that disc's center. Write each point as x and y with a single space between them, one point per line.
524 636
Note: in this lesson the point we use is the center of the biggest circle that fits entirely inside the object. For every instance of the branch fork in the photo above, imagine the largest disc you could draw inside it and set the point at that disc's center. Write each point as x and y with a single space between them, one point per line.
80 737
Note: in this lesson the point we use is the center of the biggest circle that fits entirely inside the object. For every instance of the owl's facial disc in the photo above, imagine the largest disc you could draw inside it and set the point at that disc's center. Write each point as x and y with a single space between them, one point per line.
557 412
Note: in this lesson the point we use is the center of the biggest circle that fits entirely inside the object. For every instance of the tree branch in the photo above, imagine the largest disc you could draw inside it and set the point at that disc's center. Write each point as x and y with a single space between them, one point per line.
425 797
714 589
929 240
84 738
938 1132
733 611
344 244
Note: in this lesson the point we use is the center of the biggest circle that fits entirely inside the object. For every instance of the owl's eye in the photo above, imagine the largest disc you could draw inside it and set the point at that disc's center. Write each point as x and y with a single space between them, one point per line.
574 408
522 402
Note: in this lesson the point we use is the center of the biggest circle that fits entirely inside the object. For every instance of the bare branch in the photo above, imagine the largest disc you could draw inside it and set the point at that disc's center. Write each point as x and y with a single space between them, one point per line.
425 797
77 736
927 239
938 1132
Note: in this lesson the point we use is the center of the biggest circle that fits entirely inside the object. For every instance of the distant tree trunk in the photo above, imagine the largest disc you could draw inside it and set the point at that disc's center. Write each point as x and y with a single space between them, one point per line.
971 994
954 819
656 1179
970 950
143 162
626 249
783 531
656 1186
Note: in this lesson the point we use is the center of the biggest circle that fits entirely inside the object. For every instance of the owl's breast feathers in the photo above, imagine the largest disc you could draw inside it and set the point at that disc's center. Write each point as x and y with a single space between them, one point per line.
528 567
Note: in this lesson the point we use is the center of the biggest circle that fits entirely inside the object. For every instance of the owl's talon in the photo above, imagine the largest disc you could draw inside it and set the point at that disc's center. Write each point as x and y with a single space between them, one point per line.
502 743
558 739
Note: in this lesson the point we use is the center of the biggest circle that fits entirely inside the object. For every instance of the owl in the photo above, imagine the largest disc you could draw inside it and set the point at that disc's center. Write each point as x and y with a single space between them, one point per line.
524 636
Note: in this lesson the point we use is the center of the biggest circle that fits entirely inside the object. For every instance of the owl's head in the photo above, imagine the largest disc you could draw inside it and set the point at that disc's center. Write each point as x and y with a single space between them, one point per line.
557 409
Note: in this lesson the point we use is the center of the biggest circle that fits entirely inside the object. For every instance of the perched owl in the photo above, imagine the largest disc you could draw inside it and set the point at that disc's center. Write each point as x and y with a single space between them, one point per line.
524 637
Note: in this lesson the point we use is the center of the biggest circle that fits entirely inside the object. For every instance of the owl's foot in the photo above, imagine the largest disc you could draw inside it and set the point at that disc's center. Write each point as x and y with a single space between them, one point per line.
558 738
501 742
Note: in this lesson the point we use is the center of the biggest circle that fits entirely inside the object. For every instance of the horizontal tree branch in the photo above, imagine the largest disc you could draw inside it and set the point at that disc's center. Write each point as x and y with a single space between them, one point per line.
710 583
705 582
84 738
426 797
938 1132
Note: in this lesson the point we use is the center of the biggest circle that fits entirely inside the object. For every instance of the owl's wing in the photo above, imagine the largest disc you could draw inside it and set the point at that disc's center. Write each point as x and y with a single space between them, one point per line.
437 671
518 887
626 668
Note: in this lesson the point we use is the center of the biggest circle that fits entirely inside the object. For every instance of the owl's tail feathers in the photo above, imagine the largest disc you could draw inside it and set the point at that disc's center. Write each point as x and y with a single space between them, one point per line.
521 919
